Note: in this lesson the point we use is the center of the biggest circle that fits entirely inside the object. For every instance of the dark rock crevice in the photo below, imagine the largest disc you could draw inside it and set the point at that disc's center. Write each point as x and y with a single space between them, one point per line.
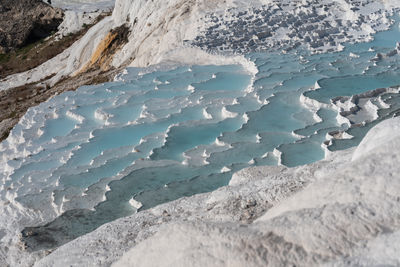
26 21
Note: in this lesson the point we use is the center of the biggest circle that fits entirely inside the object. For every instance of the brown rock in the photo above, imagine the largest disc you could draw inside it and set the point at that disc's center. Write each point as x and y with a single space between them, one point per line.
26 21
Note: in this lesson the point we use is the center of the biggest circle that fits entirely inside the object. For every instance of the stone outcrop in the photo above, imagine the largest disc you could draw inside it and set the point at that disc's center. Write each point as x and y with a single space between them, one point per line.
26 21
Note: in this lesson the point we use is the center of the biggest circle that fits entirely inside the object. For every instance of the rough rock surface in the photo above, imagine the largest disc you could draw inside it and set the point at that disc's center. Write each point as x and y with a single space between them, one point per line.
25 21
340 211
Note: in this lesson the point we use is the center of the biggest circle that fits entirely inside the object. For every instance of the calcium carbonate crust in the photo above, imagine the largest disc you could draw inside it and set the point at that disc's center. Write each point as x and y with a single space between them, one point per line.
251 193
338 211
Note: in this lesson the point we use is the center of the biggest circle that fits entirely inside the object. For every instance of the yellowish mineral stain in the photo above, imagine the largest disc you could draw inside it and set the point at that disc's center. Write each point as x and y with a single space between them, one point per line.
100 58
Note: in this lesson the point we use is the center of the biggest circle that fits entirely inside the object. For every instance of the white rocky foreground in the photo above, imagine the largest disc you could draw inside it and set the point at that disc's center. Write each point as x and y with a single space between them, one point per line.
344 210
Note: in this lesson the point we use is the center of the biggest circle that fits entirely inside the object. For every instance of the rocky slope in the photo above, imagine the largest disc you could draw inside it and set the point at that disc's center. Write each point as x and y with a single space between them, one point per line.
340 211
26 21
142 33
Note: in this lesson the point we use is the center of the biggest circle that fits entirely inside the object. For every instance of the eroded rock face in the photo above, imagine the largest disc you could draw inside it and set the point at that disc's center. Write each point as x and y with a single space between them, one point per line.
26 21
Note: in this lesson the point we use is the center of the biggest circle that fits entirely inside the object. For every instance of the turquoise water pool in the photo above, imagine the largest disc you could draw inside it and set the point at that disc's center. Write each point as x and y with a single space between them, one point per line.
158 136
